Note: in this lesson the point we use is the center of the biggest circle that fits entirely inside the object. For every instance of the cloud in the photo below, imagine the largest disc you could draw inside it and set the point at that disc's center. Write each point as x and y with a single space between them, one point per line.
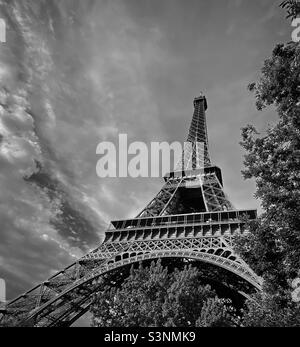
25 214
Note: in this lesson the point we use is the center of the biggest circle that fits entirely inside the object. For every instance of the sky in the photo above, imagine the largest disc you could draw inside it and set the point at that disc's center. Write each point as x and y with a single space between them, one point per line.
74 73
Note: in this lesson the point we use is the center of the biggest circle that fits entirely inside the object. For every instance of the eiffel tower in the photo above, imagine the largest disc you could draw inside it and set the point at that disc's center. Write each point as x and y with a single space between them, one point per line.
190 218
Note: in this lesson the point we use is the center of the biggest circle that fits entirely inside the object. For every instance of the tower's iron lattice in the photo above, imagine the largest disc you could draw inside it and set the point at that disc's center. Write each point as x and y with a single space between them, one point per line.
191 217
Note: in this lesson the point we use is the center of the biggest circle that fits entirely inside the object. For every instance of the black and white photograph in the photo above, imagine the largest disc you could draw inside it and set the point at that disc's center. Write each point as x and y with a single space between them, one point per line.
150 166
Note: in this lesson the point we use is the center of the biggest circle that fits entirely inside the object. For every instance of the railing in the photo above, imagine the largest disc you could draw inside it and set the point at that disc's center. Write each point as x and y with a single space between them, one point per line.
195 218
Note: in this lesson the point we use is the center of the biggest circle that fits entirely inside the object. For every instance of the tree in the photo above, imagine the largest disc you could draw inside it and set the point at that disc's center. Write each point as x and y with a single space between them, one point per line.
217 313
152 297
272 248
292 7
273 161
264 311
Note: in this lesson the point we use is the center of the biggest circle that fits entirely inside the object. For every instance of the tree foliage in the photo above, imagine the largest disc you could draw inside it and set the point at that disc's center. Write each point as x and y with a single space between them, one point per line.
217 312
265 310
152 297
292 7
272 248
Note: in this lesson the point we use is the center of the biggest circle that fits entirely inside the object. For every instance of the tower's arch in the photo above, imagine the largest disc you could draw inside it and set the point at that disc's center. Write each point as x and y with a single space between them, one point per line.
63 299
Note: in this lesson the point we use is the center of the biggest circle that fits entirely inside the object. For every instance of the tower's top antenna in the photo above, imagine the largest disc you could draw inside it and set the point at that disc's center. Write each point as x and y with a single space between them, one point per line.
201 98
